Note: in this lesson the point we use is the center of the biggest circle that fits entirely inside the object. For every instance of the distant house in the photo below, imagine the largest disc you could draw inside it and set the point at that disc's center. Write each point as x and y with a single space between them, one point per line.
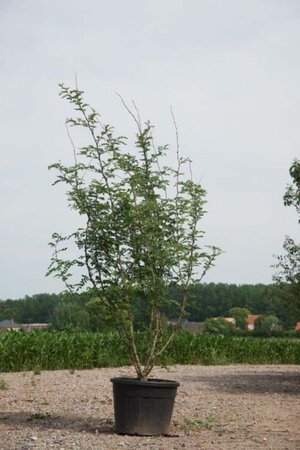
173 323
230 320
297 327
184 324
8 325
251 321
194 327
227 319
34 326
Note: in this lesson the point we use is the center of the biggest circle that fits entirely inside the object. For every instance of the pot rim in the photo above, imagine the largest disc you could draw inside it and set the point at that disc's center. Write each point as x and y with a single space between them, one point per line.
156 382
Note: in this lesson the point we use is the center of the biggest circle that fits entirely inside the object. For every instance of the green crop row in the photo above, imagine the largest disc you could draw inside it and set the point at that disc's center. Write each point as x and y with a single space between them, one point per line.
59 350
190 348
83 350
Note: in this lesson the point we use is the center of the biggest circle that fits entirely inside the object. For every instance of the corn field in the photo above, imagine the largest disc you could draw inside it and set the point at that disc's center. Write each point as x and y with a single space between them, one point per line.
49 350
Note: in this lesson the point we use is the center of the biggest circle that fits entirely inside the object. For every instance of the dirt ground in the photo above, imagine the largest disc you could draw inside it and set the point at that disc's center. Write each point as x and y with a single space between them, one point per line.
217 407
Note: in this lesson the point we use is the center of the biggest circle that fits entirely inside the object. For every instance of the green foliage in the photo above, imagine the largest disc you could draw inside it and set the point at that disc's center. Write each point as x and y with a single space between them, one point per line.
140 231
215 300
210 422
219 326
37 370
287 274
292 193
205 300
3 385
268 326
38 416
240 315
189 348
293 333
69 314
84 350
30 309
288 277
51 350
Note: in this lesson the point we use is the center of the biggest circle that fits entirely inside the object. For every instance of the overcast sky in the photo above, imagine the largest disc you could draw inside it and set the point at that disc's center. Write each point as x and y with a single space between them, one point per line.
229 68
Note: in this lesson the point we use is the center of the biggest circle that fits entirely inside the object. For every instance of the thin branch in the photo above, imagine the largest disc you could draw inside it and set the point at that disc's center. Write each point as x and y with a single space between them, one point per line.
176 133
138 114
76 82
72 143
136 119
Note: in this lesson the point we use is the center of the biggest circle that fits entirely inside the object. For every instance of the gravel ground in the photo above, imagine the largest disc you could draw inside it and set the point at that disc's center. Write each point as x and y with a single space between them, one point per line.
217 407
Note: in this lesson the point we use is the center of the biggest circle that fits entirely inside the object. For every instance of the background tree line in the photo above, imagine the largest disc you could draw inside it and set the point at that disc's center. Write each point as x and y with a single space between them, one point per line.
207 300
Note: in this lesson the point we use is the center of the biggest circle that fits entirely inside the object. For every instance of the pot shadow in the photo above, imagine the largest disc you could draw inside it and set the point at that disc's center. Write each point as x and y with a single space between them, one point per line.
254 383
57 422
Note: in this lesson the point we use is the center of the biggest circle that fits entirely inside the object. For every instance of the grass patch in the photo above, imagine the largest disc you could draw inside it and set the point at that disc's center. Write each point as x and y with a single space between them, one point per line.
210 422
38 416
3 385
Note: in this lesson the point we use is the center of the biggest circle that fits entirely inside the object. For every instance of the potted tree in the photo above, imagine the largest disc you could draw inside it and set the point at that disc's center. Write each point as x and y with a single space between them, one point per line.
139 234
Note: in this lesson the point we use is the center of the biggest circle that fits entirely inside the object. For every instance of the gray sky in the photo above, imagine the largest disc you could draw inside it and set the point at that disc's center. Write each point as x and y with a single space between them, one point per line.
230 69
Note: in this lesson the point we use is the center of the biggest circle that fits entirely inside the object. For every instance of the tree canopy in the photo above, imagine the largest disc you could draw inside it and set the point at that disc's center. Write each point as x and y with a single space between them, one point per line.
207 300
287 274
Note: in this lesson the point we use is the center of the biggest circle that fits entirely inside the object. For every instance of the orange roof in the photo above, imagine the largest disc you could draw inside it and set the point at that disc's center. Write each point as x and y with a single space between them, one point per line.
297 326
251 319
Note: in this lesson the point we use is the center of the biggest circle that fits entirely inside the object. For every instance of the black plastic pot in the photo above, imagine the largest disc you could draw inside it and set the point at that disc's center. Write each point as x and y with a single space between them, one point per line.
143 407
